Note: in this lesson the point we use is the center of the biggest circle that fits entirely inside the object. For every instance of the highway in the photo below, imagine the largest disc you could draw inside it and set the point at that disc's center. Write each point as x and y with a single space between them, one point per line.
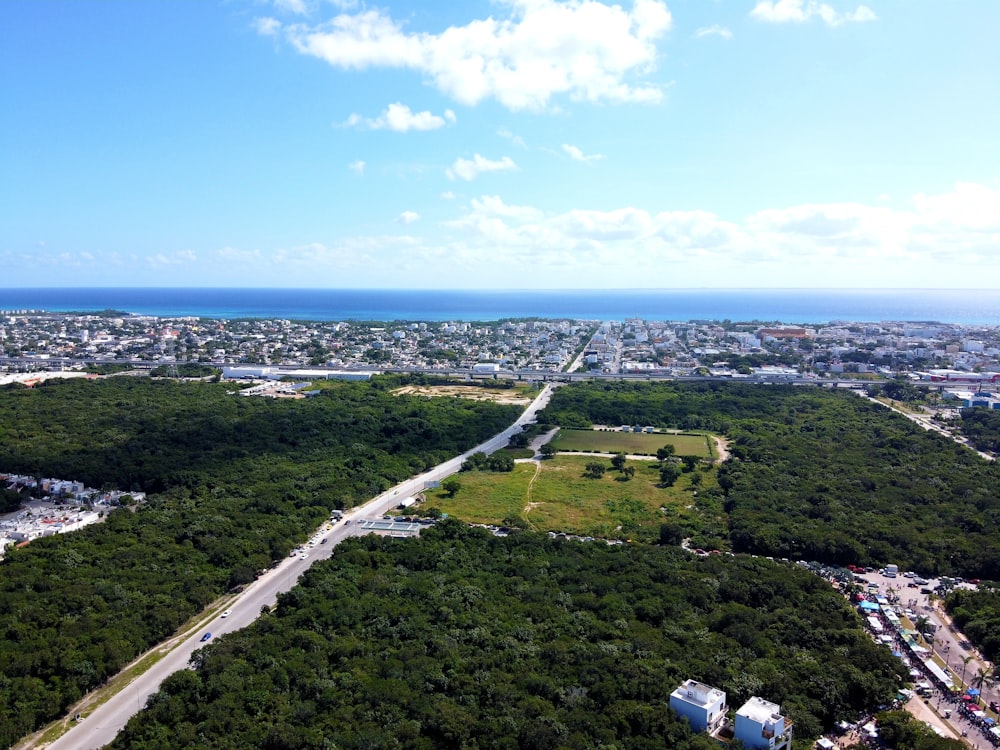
102 725
521 374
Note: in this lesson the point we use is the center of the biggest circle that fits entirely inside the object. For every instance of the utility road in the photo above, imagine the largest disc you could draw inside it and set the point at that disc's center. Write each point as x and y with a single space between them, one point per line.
104 722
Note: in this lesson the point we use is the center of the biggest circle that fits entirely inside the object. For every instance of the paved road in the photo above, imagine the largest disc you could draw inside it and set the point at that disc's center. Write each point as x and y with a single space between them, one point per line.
949 644
101 726
925 421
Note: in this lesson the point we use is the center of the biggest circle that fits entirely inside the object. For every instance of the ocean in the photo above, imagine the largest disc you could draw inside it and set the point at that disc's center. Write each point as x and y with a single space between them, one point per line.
803 306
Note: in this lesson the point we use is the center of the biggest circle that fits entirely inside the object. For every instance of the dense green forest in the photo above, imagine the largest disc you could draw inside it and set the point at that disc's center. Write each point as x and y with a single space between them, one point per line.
235 482
977 615
462 639
821 474
982 427
901 731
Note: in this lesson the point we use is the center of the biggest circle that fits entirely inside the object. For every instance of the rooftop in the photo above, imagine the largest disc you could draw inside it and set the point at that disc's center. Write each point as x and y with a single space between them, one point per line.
760 710
698 693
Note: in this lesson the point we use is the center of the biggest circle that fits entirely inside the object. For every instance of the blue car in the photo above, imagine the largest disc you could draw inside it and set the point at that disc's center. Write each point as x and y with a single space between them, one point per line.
206 637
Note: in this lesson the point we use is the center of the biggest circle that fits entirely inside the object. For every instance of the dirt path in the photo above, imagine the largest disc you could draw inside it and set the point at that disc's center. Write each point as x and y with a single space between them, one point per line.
527 494
721 449
630 456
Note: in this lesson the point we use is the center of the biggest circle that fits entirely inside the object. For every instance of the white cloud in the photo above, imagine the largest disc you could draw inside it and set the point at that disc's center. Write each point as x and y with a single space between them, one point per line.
469 169
585 49
358 167
267 26
577 155
714 30
298 7
400 119
407 217
171 259
799 11
962 226
448 195
970 206
515 139
493 205
347 253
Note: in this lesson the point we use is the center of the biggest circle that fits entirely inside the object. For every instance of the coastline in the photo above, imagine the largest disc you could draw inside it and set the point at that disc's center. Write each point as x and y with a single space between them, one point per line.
802 306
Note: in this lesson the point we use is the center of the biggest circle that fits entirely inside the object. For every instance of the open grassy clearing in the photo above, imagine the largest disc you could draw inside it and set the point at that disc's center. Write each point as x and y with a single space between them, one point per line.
562 499
516 395
600 441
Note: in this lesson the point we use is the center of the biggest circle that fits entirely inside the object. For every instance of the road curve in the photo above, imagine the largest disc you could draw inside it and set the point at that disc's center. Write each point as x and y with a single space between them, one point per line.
102 725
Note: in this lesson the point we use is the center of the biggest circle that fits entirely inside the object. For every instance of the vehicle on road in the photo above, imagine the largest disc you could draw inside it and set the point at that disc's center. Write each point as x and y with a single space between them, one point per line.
323 540
206 637
226 613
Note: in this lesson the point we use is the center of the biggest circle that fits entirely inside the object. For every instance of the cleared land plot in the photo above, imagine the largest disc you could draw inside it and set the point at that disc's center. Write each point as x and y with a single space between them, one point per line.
599 441
562 499
475 393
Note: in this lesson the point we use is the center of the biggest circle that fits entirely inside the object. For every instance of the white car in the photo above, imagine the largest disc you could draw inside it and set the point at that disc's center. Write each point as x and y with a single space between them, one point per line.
226 613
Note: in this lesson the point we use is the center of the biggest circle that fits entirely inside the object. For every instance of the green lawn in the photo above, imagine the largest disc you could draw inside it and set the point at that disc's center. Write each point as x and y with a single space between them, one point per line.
639 443
562 499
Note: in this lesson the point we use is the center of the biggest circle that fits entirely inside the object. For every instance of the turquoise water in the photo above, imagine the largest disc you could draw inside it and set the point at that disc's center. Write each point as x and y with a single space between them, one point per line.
785 305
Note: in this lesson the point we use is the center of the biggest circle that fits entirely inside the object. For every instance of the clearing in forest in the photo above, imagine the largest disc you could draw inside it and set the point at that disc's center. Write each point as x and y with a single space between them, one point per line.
563 498
613 441
475 393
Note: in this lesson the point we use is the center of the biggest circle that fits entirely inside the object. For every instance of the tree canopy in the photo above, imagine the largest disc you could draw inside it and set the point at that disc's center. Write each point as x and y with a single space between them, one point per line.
460 638
977 615
821 474
236 482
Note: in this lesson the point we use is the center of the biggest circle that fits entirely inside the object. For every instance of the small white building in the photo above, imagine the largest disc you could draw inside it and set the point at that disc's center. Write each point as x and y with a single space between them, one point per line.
702 705
759 724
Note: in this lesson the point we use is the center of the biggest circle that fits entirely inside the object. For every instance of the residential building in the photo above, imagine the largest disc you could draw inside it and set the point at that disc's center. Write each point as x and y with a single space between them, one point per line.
702 705
759 724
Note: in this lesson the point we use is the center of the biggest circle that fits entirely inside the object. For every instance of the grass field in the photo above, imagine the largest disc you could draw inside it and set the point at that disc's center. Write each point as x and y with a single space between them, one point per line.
600 441
561 499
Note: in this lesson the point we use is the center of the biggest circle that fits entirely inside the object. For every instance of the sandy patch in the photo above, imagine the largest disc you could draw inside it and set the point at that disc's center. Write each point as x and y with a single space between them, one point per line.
721 448
471 392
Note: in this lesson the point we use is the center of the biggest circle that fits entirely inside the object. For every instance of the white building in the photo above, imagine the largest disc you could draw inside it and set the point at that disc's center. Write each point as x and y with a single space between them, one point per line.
486 367
759 724
702 705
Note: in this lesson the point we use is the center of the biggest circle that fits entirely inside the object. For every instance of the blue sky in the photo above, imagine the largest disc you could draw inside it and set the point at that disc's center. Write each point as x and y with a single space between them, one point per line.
507 144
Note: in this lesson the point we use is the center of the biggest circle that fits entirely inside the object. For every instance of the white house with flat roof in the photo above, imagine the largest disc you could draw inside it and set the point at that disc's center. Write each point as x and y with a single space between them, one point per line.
702 705
759 724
